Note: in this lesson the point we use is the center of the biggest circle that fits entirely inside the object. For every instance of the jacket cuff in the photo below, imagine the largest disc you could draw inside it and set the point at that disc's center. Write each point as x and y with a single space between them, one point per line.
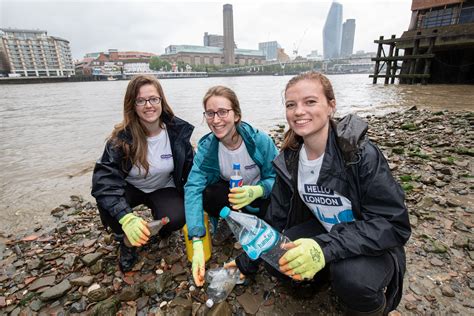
121 214
328 257
196 232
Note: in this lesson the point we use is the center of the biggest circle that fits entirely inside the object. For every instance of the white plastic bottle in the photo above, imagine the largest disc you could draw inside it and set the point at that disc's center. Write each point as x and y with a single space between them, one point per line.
222 284
257 237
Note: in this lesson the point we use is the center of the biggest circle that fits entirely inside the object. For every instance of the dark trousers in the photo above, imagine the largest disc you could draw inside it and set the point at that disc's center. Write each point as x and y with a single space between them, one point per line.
359 282
162 202
215 197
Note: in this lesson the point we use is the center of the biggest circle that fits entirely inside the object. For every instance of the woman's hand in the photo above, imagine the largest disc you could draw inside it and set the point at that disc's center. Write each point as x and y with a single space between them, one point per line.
199 264
303 259
135 228
244 195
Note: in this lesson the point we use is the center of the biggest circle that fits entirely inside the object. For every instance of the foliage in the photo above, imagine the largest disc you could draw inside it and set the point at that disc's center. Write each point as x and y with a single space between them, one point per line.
156 63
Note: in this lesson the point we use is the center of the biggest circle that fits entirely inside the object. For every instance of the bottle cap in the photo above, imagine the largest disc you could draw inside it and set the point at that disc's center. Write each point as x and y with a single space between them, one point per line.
209 303
224 212
236 166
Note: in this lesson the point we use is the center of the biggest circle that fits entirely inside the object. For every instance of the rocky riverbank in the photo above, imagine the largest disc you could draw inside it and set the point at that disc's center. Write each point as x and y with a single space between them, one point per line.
71 268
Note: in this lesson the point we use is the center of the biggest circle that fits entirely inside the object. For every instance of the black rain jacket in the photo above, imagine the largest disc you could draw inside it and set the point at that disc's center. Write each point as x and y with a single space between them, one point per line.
360 173
108 180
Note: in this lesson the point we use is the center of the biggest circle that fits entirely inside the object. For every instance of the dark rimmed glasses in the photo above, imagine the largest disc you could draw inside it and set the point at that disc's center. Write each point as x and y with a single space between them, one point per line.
221 113
152 100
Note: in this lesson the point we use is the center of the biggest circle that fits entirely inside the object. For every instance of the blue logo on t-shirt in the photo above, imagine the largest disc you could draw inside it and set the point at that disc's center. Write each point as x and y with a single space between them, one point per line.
166 156
341 217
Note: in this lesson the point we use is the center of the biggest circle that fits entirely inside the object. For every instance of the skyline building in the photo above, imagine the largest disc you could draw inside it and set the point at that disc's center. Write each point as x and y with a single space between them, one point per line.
213 40
229 53
332 32
32 53
270 49
347 40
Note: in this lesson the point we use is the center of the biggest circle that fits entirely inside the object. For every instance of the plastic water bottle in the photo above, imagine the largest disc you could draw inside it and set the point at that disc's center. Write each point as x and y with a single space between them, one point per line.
154 227
221 285
257 237
236 179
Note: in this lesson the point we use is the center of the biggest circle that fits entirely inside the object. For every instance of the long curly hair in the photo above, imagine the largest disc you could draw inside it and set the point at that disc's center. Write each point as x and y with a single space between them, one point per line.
291 139
136 151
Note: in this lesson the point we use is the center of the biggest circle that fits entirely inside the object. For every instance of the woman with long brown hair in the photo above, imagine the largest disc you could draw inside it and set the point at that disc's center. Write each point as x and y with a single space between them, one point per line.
146 160
335 197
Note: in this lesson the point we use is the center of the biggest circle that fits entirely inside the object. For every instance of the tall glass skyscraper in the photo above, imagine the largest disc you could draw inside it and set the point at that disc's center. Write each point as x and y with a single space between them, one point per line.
332 32
347 42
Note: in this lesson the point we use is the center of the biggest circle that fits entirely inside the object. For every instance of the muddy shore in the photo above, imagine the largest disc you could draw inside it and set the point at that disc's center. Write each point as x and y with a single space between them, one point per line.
70 267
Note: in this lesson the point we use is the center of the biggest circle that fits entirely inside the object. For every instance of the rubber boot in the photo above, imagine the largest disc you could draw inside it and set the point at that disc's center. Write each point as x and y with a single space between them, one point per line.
128 255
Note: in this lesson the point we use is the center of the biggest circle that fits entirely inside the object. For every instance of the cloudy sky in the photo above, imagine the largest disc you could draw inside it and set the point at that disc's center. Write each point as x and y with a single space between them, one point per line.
152 25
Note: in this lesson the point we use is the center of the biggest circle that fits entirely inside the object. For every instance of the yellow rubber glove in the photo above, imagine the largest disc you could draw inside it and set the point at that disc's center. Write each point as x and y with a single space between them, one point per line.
135 228
199 264
244 195
303 260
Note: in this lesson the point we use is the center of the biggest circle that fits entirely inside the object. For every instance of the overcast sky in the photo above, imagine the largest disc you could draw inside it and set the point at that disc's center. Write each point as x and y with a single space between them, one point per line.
150 26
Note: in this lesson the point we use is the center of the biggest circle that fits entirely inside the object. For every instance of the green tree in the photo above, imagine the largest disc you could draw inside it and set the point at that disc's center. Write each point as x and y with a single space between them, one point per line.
156 63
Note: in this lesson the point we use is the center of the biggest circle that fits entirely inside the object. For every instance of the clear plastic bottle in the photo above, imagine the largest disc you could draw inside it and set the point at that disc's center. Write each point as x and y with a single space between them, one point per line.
223 282
257 237
154 227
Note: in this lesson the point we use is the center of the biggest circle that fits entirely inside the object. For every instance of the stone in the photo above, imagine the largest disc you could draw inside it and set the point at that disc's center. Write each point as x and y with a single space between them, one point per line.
55 291
78 307
163 281
83 281
250 302
42 282
221 309
99 294
108 307
97 267
70 260
436 262
448 291
91 258
129 293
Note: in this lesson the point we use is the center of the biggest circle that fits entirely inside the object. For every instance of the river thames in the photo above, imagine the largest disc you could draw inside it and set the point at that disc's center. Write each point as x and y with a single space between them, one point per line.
51 134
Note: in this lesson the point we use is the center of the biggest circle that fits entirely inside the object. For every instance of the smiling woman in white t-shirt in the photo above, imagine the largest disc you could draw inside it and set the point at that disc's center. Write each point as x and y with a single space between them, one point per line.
146 160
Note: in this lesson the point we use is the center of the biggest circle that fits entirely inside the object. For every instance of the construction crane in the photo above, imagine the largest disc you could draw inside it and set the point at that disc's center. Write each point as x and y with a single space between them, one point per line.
296 47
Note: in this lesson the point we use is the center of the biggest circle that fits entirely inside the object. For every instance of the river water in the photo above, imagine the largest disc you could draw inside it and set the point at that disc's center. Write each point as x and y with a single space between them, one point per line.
51 134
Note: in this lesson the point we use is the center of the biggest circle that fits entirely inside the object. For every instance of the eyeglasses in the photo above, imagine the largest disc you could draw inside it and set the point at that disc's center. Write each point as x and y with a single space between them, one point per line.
152 100
222 113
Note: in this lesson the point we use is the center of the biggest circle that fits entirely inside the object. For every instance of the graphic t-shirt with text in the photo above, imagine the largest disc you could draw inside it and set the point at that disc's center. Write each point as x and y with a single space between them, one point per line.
328 206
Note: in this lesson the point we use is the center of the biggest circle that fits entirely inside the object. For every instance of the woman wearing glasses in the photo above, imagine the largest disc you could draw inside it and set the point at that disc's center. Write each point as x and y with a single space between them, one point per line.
230 141
146 160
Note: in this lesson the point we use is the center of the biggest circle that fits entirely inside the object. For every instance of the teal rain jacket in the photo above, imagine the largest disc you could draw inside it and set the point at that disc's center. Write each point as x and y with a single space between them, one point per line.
205 171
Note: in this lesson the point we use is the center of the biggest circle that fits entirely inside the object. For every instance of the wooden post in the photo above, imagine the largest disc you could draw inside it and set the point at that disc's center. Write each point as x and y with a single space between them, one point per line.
426 71
388 70
414 62
394 68
377 62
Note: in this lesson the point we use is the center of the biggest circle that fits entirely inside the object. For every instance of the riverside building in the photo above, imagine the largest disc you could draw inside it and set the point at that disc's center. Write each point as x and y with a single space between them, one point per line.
32 53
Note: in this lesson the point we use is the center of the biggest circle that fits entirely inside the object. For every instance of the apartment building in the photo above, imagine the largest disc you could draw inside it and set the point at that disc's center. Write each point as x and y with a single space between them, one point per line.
32 53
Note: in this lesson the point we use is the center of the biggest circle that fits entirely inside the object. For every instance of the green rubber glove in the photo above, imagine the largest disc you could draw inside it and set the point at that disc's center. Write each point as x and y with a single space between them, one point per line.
198 267
303 260
244 195
135 228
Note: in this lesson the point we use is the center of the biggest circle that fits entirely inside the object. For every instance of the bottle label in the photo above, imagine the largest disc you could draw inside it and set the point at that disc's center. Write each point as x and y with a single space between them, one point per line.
235 182
254 244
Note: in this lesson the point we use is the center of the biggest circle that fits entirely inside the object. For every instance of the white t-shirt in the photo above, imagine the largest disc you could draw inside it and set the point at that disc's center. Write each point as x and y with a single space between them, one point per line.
328 206
248 168
160 159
